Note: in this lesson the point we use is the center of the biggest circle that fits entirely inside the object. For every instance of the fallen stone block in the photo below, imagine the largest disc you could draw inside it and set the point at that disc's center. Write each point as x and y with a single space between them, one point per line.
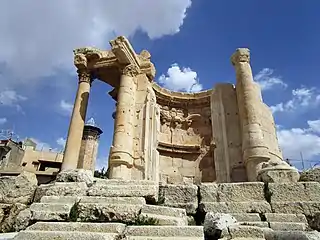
18 189
216 223
67 189
75 175
179 196
10 213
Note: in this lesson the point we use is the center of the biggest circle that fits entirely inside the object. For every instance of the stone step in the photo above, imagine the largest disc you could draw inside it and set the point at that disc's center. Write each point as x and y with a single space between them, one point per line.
288 226
292 235
78 226
256 224
237 207
59 199
302 207
165 231
113 200
67 189
283 217
50 211
7 236
123 182
40 235
121 190
166 220
232 192
246 232
246 217
166 211
162 238
106 212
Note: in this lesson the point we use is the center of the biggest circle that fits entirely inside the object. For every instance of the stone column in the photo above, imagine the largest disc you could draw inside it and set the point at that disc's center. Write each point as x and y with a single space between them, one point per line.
73 144
254 148
89 146
121 154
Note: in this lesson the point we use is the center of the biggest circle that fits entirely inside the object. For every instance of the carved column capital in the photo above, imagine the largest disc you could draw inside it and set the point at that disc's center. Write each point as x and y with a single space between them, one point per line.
131 70
80 60
241 55
84 76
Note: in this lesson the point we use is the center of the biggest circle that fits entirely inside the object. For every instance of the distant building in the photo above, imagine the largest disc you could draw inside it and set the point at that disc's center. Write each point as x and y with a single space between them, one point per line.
18 156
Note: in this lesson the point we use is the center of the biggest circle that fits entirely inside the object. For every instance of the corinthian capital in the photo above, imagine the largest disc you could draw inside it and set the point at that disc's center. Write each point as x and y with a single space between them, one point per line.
131 70
84 76
80 60
241 55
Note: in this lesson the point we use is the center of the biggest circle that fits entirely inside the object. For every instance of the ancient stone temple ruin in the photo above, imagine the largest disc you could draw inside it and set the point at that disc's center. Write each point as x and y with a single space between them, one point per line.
183 166
225 134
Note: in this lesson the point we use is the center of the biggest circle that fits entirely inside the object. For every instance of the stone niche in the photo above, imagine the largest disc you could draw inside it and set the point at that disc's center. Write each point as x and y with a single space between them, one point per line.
185 146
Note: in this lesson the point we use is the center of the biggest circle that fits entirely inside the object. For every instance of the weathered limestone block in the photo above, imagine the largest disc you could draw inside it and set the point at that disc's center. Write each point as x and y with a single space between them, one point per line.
292 235
288 226
113 200
246 217
246 232
41 191
67 189
308 208
215 223
99 212
281 217
50 235
114 188
60 199
10 213
18 189
78 226
301 191
312 175
172 232
22 220
232 192
76 175
236 207
180 196
50 211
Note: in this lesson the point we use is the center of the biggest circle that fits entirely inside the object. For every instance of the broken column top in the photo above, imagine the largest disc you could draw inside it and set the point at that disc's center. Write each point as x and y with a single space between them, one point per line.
241 55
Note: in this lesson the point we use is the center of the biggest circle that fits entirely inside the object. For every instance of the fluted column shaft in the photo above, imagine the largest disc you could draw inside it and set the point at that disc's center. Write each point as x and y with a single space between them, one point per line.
255 150
73 144
121 155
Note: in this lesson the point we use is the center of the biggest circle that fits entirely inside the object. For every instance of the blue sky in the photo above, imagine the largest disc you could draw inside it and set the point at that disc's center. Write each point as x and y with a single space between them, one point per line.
190 41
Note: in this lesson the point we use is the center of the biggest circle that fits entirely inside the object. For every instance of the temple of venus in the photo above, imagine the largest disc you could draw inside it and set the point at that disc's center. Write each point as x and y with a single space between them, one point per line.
225 134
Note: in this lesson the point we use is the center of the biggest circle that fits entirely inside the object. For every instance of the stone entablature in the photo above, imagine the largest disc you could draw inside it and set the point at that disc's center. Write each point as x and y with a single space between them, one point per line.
225 134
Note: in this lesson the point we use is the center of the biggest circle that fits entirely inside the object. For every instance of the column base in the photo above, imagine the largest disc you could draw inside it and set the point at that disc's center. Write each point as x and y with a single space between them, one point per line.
278 171
119 171
253 167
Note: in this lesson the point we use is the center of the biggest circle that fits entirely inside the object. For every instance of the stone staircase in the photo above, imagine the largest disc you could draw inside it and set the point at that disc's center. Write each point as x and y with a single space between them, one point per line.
106 209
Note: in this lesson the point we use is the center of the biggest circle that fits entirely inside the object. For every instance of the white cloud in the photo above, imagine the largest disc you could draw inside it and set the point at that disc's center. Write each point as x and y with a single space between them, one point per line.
180 79
11 98
3 121
37 37
66 107
314 125
267 80
297 140
301 98
61 142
